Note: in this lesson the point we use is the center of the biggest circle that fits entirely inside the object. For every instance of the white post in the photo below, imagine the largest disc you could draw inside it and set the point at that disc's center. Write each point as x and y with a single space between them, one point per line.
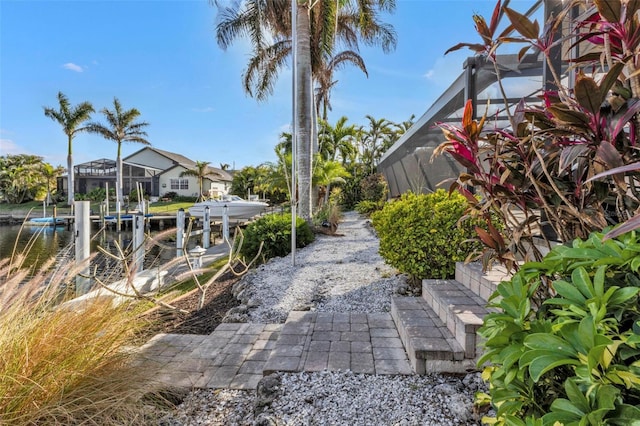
180 233
206 228
225 223
44 209
118 218
82 233
138 242
106 198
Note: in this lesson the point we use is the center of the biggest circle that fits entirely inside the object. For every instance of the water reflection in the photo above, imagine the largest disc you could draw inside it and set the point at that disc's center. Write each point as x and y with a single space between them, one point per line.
40 243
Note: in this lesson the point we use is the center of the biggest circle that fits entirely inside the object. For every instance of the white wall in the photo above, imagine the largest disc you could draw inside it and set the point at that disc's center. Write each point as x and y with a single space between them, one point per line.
150 158
165 183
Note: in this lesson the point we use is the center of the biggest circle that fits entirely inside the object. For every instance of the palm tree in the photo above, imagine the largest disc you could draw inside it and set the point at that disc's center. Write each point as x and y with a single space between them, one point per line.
320 26
201 171
50 174
374 141
71 119
121 127
328 172
324 82
337 141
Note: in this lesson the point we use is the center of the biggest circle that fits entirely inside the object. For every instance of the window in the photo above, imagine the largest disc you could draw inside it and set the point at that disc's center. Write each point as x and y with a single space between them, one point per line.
179 183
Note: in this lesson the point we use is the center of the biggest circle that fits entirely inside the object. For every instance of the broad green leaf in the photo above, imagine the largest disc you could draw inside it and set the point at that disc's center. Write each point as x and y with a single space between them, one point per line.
581 253
569 291
580 278
544 363
625 415
549 342
568 407
622 295
598 281
576 396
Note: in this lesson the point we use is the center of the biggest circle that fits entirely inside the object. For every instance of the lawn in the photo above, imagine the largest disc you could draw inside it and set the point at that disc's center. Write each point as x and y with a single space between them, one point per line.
161 207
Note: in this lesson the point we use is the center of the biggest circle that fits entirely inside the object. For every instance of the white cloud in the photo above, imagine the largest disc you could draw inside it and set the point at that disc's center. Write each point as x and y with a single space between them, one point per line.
72 67
205 109
9 147
429 74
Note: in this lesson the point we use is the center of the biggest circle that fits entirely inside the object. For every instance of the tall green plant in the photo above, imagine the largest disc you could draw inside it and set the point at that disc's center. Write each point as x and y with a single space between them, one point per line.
71 118
574 358
121 127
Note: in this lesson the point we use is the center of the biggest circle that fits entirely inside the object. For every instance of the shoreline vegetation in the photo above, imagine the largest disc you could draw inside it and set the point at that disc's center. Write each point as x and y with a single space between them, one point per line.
97 379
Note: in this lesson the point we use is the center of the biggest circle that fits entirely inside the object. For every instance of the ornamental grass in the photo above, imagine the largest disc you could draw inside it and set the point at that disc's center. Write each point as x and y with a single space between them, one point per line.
60 365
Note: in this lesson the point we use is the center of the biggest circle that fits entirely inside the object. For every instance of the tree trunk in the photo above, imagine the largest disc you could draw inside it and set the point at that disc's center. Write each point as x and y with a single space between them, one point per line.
304 111
70 177
119 196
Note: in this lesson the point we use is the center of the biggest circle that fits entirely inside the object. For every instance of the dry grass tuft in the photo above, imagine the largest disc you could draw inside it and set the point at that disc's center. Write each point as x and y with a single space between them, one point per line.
64 366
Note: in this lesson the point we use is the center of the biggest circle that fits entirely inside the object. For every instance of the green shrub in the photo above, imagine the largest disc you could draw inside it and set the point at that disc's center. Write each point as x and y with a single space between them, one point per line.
420 236
275 231
367 207
374 188
573 358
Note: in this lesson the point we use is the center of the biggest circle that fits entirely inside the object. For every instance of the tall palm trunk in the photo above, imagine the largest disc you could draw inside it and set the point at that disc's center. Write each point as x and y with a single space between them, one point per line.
70 180
119 195
304 110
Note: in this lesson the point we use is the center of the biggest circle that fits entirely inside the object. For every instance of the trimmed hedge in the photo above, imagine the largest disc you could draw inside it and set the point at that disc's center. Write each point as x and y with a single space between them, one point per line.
275 231
420 235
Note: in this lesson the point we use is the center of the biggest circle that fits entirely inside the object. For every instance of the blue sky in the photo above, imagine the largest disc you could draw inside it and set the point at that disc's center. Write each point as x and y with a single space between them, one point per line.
161 57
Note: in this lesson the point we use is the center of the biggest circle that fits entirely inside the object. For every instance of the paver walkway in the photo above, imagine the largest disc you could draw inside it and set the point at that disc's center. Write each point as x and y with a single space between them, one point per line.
236 356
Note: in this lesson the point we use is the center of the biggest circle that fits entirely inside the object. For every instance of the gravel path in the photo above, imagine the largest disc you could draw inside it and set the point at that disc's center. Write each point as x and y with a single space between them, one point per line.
333 274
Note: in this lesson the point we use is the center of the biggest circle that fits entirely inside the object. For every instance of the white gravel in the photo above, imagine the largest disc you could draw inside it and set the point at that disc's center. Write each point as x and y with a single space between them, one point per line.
333 274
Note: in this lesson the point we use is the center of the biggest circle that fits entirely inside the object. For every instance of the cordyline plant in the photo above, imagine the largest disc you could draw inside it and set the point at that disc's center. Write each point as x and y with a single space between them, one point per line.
566 160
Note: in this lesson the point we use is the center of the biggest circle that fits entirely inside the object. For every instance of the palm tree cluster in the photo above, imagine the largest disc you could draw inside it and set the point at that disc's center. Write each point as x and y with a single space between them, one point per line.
327 33
201 171
23 177
121 127
346 151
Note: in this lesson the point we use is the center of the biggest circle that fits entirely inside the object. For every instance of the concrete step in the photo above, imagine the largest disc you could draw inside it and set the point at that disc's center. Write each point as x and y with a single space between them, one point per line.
459 309
480 283
430 346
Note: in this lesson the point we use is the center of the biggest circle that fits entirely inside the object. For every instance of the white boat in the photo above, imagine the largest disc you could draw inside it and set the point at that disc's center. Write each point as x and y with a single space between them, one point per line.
237 208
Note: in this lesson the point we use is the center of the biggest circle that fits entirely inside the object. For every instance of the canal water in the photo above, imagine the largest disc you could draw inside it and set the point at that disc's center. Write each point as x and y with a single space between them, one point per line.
41 243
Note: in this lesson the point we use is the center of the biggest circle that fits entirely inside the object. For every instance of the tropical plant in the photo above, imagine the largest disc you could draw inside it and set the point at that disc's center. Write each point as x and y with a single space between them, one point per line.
326 173
337 142
422 234
50 174
71 118
574 358
201 171
374 141
121 127
320 27
273 233
541 166
20 177
250 180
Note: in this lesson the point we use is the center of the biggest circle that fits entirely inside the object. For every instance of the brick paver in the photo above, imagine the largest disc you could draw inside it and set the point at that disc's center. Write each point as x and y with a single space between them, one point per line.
236 356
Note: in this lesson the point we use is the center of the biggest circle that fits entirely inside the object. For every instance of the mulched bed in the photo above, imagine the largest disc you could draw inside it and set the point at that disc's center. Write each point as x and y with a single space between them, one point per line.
219 300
